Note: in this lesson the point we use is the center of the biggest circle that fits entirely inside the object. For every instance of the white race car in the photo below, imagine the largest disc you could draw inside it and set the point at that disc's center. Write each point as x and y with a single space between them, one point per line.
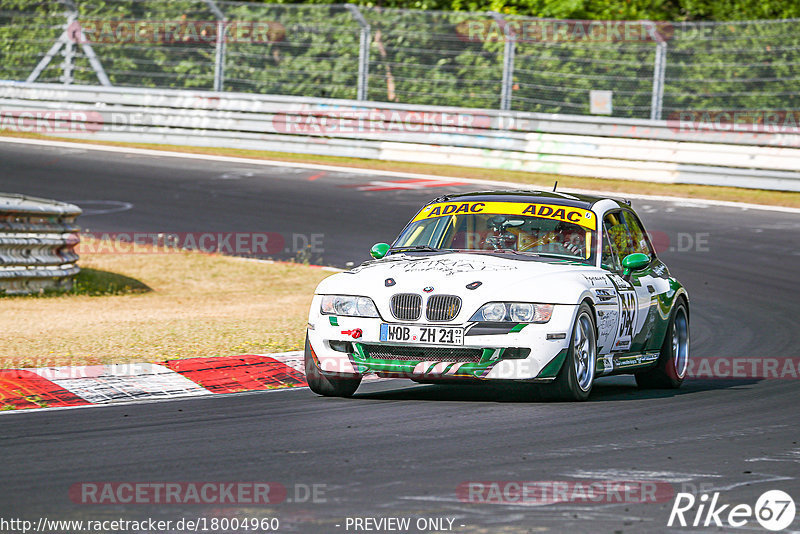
548 288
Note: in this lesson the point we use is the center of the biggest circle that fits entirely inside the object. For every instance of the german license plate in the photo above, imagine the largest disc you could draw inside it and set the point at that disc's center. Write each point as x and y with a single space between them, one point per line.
424 335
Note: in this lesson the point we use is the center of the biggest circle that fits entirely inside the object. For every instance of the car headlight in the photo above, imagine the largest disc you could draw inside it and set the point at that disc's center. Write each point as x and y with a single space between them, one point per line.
494 311
348 305
517 312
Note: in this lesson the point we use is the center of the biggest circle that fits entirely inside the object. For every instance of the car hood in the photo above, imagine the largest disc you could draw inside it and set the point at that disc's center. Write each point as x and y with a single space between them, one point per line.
501 277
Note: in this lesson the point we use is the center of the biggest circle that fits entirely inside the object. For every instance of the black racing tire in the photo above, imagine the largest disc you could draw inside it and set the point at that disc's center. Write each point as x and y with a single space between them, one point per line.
673 361
326 384
576 376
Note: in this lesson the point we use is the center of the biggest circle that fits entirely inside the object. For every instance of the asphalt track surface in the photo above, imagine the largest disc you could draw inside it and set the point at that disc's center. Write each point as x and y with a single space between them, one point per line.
398 449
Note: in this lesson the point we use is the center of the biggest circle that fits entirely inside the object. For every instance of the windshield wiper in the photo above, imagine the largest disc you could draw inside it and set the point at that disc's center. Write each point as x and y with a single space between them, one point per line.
552 255
422 248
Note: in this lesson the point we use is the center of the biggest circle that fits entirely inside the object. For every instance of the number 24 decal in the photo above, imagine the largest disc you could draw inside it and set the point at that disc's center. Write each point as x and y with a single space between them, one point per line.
628 302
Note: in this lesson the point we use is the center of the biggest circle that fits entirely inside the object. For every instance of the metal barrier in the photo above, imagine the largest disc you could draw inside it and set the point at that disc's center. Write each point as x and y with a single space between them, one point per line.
37 242
603 147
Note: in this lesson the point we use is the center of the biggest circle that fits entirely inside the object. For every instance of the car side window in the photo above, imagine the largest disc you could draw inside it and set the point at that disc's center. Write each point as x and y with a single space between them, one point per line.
638 241
624 235
613 241
609 259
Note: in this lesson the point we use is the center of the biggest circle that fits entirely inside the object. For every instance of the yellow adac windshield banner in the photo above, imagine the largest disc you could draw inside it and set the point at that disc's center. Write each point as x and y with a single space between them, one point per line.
570 214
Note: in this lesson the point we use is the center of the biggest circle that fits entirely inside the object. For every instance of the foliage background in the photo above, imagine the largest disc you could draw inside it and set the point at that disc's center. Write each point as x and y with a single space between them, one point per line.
421 57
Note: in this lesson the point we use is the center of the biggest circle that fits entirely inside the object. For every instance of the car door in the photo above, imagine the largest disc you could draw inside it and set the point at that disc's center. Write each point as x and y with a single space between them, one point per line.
624 235
643 281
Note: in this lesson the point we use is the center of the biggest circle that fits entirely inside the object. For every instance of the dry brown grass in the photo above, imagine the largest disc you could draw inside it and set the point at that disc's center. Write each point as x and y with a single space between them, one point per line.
544 180
197 305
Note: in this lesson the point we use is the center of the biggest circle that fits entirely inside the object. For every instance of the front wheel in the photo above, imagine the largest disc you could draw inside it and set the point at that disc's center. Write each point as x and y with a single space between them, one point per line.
574 380
325 384
670 368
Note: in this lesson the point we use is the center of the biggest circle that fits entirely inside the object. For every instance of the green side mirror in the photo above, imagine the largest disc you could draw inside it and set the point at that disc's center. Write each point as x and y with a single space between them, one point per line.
379 250
634 262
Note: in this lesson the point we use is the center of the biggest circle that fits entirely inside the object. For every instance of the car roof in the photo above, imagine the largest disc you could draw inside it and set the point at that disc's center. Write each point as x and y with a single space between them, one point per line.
529 195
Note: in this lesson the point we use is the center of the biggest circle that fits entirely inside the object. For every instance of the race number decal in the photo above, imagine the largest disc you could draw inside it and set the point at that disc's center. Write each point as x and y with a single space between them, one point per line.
627 312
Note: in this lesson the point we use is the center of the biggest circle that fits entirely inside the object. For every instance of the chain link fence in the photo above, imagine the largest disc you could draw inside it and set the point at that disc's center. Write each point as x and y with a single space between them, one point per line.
633 69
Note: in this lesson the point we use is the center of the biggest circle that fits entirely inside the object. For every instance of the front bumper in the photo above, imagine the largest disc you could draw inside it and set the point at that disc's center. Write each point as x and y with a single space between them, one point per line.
493 356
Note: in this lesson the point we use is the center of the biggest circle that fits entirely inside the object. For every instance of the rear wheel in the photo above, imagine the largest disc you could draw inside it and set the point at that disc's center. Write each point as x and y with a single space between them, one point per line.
326 384
574 380
670 369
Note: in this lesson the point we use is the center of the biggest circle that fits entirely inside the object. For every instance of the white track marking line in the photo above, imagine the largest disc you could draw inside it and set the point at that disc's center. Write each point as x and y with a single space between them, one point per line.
374 172
636 474
769 478
115 206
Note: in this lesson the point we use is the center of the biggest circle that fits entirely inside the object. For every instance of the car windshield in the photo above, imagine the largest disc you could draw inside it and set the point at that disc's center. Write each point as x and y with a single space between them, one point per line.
538 229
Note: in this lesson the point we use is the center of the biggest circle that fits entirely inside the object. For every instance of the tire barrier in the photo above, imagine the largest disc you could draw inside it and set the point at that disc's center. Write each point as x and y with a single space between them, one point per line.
37 244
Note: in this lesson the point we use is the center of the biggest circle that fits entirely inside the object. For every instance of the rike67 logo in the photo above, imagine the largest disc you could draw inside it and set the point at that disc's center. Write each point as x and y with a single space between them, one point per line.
774 510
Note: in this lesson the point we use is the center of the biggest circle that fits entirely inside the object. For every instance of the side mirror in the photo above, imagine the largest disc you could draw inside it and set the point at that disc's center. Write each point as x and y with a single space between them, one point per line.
379 250
634 262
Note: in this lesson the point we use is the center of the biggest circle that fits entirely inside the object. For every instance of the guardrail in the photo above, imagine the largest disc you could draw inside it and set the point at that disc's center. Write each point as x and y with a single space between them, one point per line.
602 147
37 242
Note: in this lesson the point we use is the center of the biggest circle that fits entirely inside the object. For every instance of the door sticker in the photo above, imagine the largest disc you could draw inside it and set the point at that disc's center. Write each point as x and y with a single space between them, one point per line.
628 311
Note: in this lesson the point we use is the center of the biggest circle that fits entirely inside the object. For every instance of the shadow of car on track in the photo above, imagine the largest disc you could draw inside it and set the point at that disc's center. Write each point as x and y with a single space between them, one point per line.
619 388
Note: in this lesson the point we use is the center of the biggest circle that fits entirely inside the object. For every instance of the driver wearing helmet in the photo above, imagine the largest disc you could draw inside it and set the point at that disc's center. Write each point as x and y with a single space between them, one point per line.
571 238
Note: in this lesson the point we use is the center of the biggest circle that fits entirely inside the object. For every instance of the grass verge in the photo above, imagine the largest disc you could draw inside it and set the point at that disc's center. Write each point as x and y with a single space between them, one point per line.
152 307
732 194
